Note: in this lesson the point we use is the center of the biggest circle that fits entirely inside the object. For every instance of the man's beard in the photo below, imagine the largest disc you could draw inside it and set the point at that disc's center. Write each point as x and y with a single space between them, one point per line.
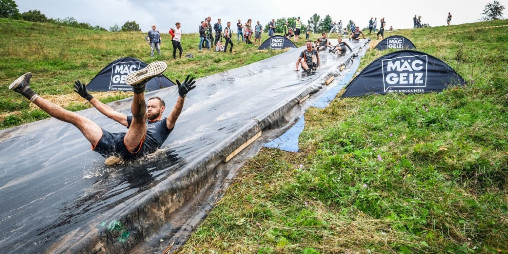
153 116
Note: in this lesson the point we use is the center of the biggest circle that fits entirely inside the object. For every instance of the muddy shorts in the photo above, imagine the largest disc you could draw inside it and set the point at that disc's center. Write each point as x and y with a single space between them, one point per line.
113 144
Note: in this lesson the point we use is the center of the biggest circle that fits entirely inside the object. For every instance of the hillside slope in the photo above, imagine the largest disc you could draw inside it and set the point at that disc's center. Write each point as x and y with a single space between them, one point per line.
59 55
384 174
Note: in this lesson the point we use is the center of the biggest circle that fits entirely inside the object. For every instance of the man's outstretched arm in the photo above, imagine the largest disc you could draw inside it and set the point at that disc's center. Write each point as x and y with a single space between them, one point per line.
173 116
103 108
183 89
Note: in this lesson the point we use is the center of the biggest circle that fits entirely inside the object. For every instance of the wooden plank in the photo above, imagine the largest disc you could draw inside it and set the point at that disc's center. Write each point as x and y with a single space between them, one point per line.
328 81
243 146
304 99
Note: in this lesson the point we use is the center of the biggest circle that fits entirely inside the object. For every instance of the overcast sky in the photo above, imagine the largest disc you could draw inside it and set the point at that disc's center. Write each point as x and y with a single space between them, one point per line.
164 14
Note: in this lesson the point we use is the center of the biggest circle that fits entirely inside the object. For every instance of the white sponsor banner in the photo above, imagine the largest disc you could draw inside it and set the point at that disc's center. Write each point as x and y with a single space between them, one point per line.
395 43
119 72
406 72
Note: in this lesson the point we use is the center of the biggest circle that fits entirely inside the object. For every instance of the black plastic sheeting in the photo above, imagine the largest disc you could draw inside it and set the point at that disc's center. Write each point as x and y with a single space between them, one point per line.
404 71
277 42
57 196
112 77
395 42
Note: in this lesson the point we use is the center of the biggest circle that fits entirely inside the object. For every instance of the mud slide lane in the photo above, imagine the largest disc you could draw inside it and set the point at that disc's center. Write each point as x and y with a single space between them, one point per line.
57 196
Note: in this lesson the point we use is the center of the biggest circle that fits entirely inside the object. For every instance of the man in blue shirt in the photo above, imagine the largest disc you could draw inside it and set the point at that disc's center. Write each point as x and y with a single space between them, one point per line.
147 130
154 38
258 29
218 31
239 31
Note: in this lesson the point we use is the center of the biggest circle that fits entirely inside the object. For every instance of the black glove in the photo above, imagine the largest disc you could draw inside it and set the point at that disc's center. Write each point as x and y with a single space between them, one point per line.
81 90
187 85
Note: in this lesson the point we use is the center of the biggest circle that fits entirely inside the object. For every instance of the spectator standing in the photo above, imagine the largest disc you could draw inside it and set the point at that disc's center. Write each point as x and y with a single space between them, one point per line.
374 25
298 28
218 30
419 23
449 19
285 30
239 31
227 36
202 36
154 38
177 35
258 29
248 31
307 33
271 28
415 22
371 23
381 28
210 33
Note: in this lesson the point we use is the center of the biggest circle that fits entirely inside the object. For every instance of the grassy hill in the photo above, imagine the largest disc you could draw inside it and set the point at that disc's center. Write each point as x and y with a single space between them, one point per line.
395 173
59 55
384 174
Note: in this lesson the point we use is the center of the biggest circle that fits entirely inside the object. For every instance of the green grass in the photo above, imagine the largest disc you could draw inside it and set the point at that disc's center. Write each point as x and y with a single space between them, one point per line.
383 174
59 55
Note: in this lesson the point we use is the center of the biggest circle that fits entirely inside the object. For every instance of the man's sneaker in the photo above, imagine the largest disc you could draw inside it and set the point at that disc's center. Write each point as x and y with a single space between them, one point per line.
22 86
139 78
22 83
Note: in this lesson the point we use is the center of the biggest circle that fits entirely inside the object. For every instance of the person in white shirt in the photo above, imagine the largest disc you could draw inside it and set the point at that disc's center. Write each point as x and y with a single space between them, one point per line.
176 40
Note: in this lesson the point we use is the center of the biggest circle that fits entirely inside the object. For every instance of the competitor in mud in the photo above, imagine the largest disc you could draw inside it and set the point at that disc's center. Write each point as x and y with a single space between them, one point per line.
340 48
355 35
322 42
147 130
309 59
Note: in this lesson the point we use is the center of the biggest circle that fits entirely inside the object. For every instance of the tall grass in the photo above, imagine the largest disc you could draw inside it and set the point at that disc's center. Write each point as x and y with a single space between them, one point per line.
383 174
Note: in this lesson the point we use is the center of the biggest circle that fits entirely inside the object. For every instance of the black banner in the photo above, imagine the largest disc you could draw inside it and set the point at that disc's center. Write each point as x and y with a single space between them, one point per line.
112 77
277 42
395 42
403 71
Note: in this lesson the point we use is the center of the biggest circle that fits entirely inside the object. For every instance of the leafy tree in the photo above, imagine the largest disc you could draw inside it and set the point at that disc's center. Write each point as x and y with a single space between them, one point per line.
34 16
114 28
99 28
493 11
8 9
279 24
130 26
292 22
314 22
326 25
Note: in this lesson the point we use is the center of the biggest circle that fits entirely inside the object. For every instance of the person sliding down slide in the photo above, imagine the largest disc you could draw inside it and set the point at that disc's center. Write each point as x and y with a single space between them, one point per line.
146 131
340 48
322 42
355 35
309 59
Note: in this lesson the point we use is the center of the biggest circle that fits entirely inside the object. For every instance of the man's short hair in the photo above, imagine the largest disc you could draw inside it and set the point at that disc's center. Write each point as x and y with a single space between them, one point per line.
177 23
160 100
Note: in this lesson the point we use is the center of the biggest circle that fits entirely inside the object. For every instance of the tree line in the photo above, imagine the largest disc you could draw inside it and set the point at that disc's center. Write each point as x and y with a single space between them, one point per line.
9 9
315 24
